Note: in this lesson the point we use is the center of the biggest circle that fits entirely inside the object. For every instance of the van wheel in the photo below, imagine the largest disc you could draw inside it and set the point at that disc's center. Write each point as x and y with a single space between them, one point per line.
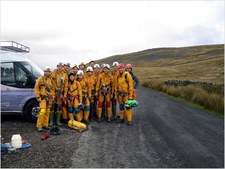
32 111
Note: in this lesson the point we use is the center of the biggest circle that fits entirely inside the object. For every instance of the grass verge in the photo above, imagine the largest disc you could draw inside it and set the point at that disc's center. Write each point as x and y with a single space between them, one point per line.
194 95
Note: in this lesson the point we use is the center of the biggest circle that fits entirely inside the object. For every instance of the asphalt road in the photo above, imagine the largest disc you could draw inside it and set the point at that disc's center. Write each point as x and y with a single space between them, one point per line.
165 134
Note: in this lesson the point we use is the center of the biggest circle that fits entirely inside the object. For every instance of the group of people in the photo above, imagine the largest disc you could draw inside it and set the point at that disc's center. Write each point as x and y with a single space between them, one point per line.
85 94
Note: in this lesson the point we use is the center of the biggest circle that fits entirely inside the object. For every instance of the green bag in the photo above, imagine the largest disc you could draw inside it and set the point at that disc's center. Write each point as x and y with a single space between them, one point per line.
131 103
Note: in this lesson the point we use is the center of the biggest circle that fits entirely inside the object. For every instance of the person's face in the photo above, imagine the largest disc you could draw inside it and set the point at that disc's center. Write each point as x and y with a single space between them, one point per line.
72 77
92 64
89 73
67 67
80 77
128 69
97 70
106 70
60 68
121 70
115 67
75 69
47 73
81 67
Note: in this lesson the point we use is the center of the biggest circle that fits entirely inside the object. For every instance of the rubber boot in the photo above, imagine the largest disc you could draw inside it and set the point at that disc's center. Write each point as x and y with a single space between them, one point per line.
58 117
122 116
109 114
99 114
113 109
129 115
51 119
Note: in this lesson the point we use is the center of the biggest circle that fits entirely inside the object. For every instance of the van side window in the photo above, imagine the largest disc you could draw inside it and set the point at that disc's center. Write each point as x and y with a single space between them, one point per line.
7 74
21 77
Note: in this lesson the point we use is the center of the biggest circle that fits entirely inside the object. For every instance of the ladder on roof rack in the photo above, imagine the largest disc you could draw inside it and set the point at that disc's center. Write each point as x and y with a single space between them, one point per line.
13 46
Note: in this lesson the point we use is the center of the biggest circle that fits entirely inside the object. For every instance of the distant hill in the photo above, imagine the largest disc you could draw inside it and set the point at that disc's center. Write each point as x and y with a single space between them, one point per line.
205 63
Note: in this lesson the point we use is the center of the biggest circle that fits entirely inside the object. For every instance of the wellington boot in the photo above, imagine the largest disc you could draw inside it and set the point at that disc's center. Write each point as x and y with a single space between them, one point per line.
58 117
99 119
109 120
40 129
51 119
46 127
129 123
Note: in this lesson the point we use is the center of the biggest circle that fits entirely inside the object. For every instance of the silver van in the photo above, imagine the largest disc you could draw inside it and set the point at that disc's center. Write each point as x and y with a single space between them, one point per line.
18 77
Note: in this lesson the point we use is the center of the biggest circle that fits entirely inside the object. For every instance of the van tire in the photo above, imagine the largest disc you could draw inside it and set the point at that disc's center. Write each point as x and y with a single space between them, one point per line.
31 106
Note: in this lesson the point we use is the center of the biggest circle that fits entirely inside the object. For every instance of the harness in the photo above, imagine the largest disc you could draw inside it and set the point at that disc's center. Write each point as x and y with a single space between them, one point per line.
70 96
59 87
122 94
104 90
47 88
73 89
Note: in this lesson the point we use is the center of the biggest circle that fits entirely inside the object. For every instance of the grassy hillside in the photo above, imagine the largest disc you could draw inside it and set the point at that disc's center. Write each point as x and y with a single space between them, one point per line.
203 63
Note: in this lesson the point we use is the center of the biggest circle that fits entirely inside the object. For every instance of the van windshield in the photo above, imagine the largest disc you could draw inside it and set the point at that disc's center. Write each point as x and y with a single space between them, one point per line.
35 70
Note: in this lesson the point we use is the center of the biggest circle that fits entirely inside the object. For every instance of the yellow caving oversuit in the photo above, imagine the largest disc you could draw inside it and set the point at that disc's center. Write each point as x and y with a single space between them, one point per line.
104 89
86 95
44 91
61 83
124 92
92 81
74 97
115 74
96 74
64 104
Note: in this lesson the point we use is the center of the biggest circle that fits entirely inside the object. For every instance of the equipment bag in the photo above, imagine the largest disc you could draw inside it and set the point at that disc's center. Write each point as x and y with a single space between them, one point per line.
77 125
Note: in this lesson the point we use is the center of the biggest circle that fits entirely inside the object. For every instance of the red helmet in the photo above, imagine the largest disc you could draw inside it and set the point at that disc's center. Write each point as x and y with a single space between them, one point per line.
121 65
129 66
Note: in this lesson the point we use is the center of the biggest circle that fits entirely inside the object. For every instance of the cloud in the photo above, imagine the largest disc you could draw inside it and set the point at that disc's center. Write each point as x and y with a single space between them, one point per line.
75 31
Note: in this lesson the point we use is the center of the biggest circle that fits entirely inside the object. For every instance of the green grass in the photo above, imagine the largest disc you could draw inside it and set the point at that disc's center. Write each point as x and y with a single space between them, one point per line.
209 99
215 113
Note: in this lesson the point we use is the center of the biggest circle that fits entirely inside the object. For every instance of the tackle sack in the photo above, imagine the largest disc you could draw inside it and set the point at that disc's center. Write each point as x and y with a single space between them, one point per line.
131 103
77 125
134 95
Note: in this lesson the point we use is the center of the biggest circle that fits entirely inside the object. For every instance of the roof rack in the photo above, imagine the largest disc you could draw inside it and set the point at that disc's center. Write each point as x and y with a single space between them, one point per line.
13 46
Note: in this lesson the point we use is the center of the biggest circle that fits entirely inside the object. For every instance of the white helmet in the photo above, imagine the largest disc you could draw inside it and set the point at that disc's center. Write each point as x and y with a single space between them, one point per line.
115 64
80 72
96 66
107 66
47 68
89 69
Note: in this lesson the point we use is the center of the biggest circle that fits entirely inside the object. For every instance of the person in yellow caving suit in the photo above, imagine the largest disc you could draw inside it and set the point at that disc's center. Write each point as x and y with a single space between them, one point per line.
44 91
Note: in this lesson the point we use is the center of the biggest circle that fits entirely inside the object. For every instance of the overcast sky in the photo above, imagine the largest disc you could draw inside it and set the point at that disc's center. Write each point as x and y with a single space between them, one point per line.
75 31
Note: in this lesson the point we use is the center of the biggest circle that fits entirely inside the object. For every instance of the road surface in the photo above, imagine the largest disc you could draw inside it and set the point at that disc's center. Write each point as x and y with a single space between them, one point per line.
165 133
